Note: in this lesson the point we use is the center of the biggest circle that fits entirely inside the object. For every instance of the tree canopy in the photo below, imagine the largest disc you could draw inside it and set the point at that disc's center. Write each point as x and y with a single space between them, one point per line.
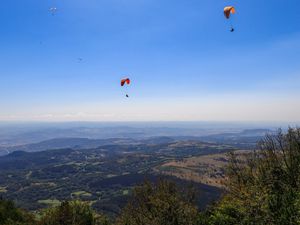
162 203
264 187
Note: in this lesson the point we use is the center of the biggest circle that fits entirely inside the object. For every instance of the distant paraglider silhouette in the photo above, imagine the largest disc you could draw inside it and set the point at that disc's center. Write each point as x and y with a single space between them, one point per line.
228 11
53 10
127 82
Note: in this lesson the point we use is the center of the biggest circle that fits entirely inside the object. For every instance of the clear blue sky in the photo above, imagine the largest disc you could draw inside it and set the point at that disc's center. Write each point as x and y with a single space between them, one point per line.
183 61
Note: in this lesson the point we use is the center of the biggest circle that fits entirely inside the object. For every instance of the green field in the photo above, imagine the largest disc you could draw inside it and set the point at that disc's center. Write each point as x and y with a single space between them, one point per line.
50 202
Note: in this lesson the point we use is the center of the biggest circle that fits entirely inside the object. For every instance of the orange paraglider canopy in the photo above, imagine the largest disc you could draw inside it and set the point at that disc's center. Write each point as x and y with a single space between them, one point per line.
228 10
125 81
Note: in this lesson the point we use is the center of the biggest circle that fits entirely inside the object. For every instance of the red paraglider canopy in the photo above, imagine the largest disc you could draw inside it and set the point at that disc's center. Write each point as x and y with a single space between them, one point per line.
125 81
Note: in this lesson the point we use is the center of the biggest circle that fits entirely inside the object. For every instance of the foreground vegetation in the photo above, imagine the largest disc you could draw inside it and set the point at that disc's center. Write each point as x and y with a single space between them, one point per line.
264 188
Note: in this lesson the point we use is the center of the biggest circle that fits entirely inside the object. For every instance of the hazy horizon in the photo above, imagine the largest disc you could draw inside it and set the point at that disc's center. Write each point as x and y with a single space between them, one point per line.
154 124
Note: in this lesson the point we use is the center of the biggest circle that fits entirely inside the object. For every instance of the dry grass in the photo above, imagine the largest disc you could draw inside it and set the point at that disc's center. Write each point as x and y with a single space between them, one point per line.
208 169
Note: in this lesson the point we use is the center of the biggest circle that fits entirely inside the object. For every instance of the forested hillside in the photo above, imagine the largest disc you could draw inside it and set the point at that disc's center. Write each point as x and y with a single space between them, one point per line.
264 188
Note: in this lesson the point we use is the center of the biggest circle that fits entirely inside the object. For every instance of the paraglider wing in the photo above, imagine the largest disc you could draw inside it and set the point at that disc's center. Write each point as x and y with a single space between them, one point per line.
53 10
125 81
228 10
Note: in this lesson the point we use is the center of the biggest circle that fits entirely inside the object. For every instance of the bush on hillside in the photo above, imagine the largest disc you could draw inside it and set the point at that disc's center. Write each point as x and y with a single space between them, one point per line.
72 213
158 204
11 215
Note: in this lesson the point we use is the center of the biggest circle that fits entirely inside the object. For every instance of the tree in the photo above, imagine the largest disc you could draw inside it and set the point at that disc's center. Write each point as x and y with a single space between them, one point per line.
10 215
160 204
72 213
265 187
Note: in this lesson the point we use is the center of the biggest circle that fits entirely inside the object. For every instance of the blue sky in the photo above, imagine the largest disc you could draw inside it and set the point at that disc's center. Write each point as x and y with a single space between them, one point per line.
183 61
